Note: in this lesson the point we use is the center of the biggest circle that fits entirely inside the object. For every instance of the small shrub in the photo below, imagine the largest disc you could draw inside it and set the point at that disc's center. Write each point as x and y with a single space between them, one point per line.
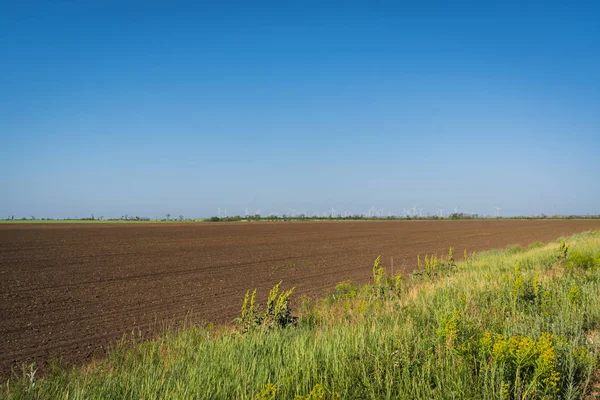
377 271
432 266
527 291
447 330
267 393
574 296
562 251
277 312
585 361
344 290
582 261
451 261
529 366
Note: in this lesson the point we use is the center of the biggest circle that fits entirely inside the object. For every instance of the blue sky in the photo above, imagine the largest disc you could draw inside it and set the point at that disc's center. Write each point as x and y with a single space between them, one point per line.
149 108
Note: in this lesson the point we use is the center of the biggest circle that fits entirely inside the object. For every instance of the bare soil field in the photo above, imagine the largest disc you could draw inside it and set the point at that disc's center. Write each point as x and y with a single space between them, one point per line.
67 291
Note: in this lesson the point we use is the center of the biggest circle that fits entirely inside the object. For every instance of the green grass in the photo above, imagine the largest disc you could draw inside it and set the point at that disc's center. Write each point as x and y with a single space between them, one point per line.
506 324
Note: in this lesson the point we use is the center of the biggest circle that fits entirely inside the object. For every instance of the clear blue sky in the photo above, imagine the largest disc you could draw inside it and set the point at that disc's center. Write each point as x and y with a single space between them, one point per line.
145 109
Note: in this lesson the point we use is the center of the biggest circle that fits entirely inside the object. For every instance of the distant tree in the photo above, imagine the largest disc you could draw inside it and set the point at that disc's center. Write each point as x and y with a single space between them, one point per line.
168 216
181 217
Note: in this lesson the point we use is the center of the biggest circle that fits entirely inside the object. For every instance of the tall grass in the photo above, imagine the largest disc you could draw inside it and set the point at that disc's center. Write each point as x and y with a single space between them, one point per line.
517 323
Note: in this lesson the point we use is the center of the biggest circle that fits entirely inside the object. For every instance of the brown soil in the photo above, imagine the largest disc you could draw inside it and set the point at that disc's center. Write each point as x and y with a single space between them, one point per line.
69 290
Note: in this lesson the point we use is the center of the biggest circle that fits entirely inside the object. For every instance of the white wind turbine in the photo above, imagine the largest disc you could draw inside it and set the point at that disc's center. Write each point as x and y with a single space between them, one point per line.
421 212
441 211
258 212
219 211
333 210
245 212
497 212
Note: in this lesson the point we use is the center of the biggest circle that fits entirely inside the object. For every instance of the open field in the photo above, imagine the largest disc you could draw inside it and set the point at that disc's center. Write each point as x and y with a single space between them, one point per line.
504 324
69 290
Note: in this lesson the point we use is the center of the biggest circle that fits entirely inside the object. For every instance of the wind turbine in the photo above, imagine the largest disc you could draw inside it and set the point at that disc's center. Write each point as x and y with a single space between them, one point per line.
258 212
497 212
441 211
245 212
219 211
456 210
421 212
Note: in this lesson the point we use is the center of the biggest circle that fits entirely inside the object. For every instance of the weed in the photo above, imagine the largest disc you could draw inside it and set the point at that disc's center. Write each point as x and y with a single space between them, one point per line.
527 365
318 392
562 251
344 290
574 296
578 260
277 312
267 393
378 271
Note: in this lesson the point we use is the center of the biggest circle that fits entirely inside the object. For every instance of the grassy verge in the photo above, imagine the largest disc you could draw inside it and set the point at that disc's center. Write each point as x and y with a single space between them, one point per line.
516 323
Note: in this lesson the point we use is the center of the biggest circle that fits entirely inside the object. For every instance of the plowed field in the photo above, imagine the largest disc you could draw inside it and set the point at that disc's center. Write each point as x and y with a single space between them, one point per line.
68 290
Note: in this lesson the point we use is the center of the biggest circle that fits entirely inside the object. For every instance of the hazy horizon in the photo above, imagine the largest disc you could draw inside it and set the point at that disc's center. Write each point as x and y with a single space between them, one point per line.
113 109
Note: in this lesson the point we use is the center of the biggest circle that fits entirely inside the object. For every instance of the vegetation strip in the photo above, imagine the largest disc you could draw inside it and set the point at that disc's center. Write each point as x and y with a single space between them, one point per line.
516 323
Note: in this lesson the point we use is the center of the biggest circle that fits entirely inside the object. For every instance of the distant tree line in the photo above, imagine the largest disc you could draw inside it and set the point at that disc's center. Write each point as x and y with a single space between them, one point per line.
453 216
300 217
